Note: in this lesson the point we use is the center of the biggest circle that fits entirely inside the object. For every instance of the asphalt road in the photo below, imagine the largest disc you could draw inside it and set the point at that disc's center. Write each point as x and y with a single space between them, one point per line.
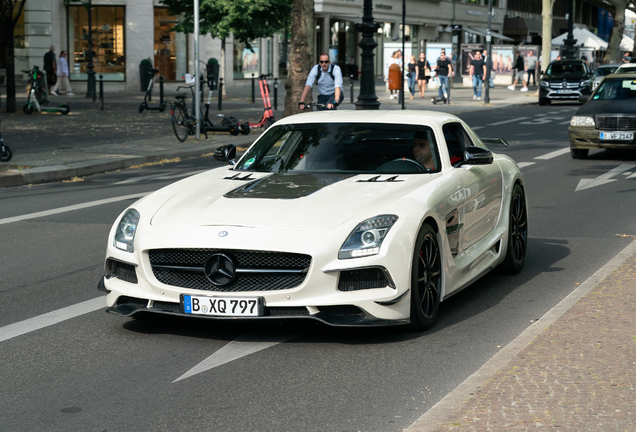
68 366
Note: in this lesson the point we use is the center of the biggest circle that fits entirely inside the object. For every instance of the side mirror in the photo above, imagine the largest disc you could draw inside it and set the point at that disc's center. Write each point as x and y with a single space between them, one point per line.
226 153
477 156
583 98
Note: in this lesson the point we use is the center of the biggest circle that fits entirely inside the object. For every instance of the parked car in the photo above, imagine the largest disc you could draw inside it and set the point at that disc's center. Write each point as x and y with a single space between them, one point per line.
626 68
601 72
565 80
350 218
607 119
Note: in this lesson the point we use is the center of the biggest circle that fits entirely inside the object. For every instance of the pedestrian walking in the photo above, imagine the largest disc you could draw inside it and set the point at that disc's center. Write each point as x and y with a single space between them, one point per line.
423 73
62 76
488 62
412 75
443 70
328 77
477 72
531 66
520 67
395 82
626 57
50 67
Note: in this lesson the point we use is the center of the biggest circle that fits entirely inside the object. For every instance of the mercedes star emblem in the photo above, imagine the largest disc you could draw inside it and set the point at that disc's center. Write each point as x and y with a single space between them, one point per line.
220 269
223 234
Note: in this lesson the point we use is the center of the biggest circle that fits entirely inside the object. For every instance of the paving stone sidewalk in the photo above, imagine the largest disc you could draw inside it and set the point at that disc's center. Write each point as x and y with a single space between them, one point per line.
579 374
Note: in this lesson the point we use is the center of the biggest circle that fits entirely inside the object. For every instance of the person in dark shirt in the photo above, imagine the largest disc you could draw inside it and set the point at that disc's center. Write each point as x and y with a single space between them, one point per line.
50 67
520 67
443 70
424 73
478 73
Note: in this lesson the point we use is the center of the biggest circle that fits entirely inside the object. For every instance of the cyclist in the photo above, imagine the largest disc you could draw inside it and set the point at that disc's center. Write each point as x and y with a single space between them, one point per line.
329 80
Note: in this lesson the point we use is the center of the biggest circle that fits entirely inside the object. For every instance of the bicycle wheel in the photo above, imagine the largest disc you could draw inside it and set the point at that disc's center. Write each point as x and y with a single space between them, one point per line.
179 123
6 155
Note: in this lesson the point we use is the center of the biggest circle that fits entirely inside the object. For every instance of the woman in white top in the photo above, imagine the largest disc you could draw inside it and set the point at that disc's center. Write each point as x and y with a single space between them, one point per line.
62 76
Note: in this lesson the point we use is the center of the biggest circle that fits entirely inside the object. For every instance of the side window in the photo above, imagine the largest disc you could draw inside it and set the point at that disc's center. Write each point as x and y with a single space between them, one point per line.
457 140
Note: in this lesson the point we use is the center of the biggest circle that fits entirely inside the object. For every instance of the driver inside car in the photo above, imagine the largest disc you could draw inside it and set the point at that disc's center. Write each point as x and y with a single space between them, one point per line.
422 150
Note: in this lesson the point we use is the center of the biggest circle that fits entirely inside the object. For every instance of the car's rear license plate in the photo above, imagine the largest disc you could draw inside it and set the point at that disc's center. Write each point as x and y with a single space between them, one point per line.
222 306
617 136
565 91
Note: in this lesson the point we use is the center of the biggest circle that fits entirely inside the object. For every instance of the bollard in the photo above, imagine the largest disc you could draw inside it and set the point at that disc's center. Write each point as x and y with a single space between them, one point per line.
160 90
220 94
448 90
253 90
201 89
351 86
101 92
275 94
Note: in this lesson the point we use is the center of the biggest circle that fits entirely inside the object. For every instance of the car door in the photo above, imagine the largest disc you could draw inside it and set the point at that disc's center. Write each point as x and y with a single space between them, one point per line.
481 188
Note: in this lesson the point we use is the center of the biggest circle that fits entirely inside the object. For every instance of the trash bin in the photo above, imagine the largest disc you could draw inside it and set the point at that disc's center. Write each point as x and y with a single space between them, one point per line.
145 68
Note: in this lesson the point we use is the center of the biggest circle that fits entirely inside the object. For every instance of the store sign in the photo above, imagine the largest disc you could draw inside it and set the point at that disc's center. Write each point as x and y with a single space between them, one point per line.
383 6
472 12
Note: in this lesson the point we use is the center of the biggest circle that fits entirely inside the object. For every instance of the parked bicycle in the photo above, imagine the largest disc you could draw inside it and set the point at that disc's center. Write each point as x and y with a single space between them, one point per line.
5 151
38 94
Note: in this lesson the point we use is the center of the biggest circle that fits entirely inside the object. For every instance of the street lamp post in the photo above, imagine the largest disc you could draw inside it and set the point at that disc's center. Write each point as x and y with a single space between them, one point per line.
367 100
90 83
489 52
569 50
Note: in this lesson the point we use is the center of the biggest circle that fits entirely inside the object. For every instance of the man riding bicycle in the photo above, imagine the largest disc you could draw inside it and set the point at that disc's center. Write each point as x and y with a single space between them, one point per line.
329 80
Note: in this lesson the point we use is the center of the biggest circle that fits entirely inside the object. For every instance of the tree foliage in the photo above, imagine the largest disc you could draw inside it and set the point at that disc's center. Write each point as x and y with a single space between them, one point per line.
245 19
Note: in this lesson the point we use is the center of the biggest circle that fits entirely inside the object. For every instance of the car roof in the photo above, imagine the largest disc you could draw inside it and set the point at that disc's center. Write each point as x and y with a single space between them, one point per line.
603 66
620 76
628 66
372 116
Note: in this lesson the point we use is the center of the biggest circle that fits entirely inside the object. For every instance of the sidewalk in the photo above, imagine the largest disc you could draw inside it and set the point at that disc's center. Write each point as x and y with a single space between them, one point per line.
53 147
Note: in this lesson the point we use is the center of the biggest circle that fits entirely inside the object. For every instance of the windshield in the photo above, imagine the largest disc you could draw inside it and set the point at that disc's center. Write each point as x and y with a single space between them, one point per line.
605 71
344 147
567 67
616 89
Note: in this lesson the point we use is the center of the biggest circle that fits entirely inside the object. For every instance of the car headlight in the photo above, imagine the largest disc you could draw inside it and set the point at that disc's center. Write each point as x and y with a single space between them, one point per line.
586 83
126 229
545 84
366 238
582 121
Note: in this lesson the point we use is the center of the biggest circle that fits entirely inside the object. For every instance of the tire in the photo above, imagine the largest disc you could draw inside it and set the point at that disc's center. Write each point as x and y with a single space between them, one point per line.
141 107
517 233
179 124
578 153
6 155
426 279
27 108
541 101
65 109
245 129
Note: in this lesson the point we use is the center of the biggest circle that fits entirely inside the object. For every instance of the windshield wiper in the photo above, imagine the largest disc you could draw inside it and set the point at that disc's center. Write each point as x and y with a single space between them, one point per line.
375 179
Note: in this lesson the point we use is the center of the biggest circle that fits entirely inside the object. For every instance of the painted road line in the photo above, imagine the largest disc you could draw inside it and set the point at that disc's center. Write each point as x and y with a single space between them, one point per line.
525 164
508 121
554 154
477 127
162 176
565 122
51 318
604 178
242 346
72 208
631 176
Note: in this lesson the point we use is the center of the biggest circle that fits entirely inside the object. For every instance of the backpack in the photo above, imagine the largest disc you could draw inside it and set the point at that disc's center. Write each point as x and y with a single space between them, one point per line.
330 72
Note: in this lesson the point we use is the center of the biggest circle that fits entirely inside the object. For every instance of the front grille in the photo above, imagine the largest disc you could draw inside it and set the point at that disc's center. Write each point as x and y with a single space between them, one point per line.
254 270
616 122
564 85
361 279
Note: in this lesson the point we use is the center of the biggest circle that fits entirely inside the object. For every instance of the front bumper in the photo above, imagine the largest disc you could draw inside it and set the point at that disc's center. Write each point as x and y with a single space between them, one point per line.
555 94
582 137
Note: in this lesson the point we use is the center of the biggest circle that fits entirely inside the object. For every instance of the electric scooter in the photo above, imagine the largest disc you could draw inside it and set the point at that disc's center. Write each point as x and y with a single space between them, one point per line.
38 94
5 151
268 115
444 99
148 96
228 124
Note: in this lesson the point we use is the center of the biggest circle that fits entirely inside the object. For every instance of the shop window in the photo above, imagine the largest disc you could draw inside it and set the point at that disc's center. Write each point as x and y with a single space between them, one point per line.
170 47
107 25
245 60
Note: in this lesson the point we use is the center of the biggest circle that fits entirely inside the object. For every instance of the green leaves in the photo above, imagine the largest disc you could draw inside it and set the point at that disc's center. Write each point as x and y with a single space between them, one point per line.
246 19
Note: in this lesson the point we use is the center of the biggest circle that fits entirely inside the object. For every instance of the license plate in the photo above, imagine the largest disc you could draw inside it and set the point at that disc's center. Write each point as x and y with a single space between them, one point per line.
617 136
565 91
222 306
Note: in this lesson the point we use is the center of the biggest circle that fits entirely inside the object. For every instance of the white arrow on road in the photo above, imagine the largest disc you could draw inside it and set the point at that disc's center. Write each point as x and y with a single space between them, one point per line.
603 179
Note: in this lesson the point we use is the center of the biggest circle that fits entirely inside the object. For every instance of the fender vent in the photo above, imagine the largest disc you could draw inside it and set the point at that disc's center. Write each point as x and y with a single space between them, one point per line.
361 279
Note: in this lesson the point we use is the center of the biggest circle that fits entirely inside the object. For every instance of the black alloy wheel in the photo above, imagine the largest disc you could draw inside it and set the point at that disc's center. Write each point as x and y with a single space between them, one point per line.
426 280
179 124
517 233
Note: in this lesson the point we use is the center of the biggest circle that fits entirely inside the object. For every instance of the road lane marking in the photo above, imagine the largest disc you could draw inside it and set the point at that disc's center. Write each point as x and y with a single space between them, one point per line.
540 121
51 318
631 176
71 208
162 176
508 121
565 122
554 154
242 346
477 127
604 178
525 164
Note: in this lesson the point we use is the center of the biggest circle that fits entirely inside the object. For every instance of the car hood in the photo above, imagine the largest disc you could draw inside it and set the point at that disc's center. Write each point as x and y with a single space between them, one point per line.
280 201
565 77
613 106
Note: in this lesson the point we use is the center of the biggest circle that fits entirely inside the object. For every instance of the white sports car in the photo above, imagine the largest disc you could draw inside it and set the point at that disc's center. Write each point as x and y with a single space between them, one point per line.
350 218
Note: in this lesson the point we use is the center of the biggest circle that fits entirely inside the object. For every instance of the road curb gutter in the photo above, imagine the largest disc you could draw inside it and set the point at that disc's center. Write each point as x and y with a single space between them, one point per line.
438 414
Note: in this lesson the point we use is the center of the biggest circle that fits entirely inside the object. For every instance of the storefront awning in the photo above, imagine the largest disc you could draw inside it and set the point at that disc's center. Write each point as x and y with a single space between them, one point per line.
483 32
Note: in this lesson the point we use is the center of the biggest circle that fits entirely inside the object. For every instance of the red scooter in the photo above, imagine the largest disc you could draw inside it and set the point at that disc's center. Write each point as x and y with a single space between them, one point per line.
268 115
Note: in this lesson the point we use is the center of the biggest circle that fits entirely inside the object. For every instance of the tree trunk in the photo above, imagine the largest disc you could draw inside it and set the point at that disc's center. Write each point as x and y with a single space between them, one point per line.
546 45
300 61
10 62
613 53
